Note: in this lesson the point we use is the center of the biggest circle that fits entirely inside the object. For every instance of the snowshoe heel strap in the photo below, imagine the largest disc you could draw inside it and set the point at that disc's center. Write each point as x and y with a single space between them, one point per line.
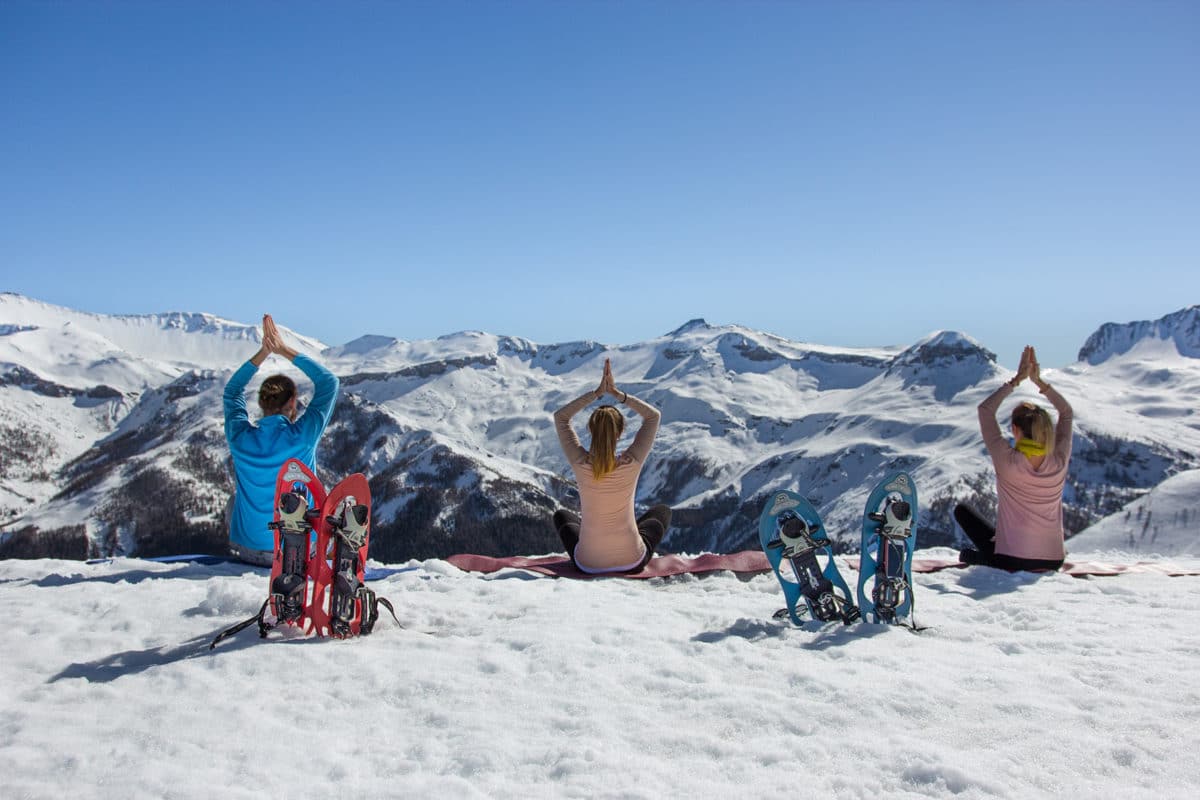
371 604
263 627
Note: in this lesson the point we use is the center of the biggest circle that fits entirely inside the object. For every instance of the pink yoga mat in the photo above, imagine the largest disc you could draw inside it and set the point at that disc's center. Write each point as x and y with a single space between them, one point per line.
754 561
750 561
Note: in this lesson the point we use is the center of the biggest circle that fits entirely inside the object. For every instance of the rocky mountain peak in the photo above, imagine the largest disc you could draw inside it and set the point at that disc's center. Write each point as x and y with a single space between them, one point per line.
1112 339
691 326
948 361
944 348
363 345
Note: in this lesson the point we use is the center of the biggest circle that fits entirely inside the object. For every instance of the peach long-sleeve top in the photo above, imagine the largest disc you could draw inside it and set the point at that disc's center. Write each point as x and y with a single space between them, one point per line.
1029 518
608 534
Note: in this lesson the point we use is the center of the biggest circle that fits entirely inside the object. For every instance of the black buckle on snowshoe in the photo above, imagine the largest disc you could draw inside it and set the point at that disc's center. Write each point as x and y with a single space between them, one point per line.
342 614
888 594
895 521
370 611
288 608
352 531
825 607
796 537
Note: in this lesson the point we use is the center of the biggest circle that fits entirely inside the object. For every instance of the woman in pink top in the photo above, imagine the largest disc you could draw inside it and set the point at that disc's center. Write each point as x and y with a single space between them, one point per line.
608 537
1029 480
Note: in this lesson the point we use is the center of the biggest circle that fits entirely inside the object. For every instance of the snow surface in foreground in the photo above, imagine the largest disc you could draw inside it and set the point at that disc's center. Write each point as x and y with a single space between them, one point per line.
1024 686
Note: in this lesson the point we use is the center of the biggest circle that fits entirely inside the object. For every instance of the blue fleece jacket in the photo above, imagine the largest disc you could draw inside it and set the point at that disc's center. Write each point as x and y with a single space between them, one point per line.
260 450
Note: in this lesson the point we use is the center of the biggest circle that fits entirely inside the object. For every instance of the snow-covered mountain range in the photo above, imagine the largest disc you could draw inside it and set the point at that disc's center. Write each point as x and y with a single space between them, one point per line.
111 438
1165 521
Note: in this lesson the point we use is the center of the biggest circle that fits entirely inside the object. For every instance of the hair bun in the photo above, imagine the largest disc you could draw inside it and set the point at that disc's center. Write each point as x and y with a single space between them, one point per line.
275 393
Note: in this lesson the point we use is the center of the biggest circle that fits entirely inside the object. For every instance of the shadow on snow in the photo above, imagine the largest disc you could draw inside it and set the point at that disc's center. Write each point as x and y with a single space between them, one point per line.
827 635
132 662
189 571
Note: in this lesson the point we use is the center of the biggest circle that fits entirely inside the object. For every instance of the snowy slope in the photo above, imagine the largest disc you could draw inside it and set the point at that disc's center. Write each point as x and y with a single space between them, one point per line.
456 432
1046 686
128 352
1164 521
68 378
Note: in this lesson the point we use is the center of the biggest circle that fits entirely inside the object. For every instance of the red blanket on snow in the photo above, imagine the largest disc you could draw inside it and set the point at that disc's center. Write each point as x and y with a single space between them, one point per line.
754 561
750 561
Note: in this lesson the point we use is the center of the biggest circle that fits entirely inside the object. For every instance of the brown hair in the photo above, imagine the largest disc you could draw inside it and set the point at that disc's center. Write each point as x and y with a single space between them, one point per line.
606 426
1034 423
275 393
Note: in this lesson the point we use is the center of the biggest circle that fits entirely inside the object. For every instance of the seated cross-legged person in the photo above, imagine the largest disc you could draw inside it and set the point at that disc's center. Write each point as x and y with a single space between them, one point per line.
607 537
1030 476
260 450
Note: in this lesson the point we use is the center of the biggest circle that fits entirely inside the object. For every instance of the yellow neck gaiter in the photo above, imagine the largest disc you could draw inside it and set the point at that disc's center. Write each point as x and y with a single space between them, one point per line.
1030 448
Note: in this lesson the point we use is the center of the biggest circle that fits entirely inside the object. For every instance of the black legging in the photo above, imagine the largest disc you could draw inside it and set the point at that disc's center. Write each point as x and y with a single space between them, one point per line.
651 526
983 535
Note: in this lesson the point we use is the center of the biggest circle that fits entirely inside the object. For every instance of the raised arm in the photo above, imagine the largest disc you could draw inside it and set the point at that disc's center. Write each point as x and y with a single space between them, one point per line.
325 390
644 439
1066 415
993 438
562 425
650 416
325 384
237 418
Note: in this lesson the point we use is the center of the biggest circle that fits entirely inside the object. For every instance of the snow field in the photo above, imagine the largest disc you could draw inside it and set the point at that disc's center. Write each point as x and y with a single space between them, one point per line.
515 686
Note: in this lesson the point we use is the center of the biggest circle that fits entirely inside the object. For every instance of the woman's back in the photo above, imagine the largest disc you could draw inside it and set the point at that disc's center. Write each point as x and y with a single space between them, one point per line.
607 536
1029 518
1030 478
608 530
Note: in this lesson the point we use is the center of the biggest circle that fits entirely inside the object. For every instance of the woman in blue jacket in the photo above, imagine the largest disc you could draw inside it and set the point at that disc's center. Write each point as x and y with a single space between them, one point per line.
285 431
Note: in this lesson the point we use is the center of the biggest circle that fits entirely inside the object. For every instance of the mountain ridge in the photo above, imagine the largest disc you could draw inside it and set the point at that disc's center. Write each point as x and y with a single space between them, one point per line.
456 437
1181 328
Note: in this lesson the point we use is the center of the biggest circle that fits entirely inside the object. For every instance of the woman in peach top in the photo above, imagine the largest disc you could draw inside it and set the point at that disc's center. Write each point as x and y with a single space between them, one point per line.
1030 477
608 538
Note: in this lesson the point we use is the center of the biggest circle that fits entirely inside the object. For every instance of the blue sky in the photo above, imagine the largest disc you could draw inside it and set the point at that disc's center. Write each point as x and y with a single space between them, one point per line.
851 173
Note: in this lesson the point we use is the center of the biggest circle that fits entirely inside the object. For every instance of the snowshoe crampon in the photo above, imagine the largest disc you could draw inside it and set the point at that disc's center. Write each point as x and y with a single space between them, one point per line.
318 574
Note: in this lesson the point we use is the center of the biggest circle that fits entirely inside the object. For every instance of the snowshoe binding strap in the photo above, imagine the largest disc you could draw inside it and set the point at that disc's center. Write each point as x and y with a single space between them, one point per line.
346 598
848 612
349 597
796 536
293 512
352 525
835 607
371 604
887 595
263 627
294 526
895 522
368 604
825 606
287 590
346 589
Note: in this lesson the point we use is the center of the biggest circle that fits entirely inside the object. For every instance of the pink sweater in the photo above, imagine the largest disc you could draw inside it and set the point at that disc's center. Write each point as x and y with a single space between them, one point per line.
608 534
1029 521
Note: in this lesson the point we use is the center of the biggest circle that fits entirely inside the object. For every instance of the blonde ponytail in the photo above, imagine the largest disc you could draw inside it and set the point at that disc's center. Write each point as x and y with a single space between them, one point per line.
1035 424
606 426
1043 430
